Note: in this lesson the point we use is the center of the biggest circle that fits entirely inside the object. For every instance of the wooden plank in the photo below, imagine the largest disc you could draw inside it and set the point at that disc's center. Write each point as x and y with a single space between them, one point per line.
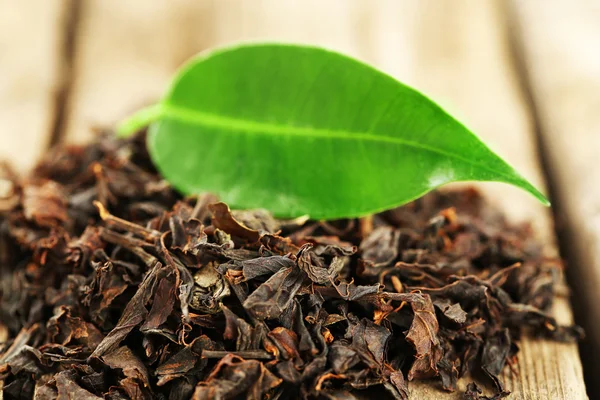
30 44
558 44
332 24
126 52
461 62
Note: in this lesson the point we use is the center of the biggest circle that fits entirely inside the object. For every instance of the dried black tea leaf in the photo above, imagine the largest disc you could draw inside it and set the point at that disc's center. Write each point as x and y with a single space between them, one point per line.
114 286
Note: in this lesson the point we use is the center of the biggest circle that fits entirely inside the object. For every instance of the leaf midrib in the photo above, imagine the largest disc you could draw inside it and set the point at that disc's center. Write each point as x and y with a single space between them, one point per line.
254 127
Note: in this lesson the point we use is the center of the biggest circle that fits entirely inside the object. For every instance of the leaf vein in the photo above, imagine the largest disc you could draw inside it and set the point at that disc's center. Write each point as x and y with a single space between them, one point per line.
266 128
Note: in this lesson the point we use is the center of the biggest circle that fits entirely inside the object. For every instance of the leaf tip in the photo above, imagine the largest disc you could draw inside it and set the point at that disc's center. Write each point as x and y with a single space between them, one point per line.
536 193
544 200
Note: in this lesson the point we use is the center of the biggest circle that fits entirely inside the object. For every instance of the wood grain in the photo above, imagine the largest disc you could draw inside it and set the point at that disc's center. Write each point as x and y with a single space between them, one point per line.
30 43
126 52
559 49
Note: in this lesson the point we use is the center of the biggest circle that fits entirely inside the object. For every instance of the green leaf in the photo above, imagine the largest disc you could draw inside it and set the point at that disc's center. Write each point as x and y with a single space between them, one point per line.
301 130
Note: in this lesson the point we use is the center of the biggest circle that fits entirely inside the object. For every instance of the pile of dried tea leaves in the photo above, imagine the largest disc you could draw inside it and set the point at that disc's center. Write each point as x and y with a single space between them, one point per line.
114 286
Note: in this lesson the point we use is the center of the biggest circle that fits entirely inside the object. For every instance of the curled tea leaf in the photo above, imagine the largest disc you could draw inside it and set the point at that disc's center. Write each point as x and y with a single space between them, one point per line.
423 336
271 298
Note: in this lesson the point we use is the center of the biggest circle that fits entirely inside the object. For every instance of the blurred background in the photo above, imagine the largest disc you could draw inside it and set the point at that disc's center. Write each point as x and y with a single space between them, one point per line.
524 75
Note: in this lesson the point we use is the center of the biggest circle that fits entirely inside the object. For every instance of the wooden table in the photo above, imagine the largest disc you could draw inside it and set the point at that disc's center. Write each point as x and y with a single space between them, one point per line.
522 74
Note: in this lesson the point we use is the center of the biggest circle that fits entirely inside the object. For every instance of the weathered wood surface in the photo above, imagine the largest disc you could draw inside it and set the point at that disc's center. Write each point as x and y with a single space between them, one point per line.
559 51
30 76
455 51
126 52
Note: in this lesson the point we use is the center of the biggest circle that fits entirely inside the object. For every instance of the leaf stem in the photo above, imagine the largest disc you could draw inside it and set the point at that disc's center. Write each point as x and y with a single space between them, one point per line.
365 225
139 120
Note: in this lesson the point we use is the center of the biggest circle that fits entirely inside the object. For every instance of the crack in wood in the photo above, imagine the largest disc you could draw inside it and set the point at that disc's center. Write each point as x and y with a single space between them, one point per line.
66 68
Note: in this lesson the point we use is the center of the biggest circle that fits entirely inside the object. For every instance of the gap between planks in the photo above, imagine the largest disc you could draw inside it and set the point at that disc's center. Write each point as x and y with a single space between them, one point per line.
66 70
